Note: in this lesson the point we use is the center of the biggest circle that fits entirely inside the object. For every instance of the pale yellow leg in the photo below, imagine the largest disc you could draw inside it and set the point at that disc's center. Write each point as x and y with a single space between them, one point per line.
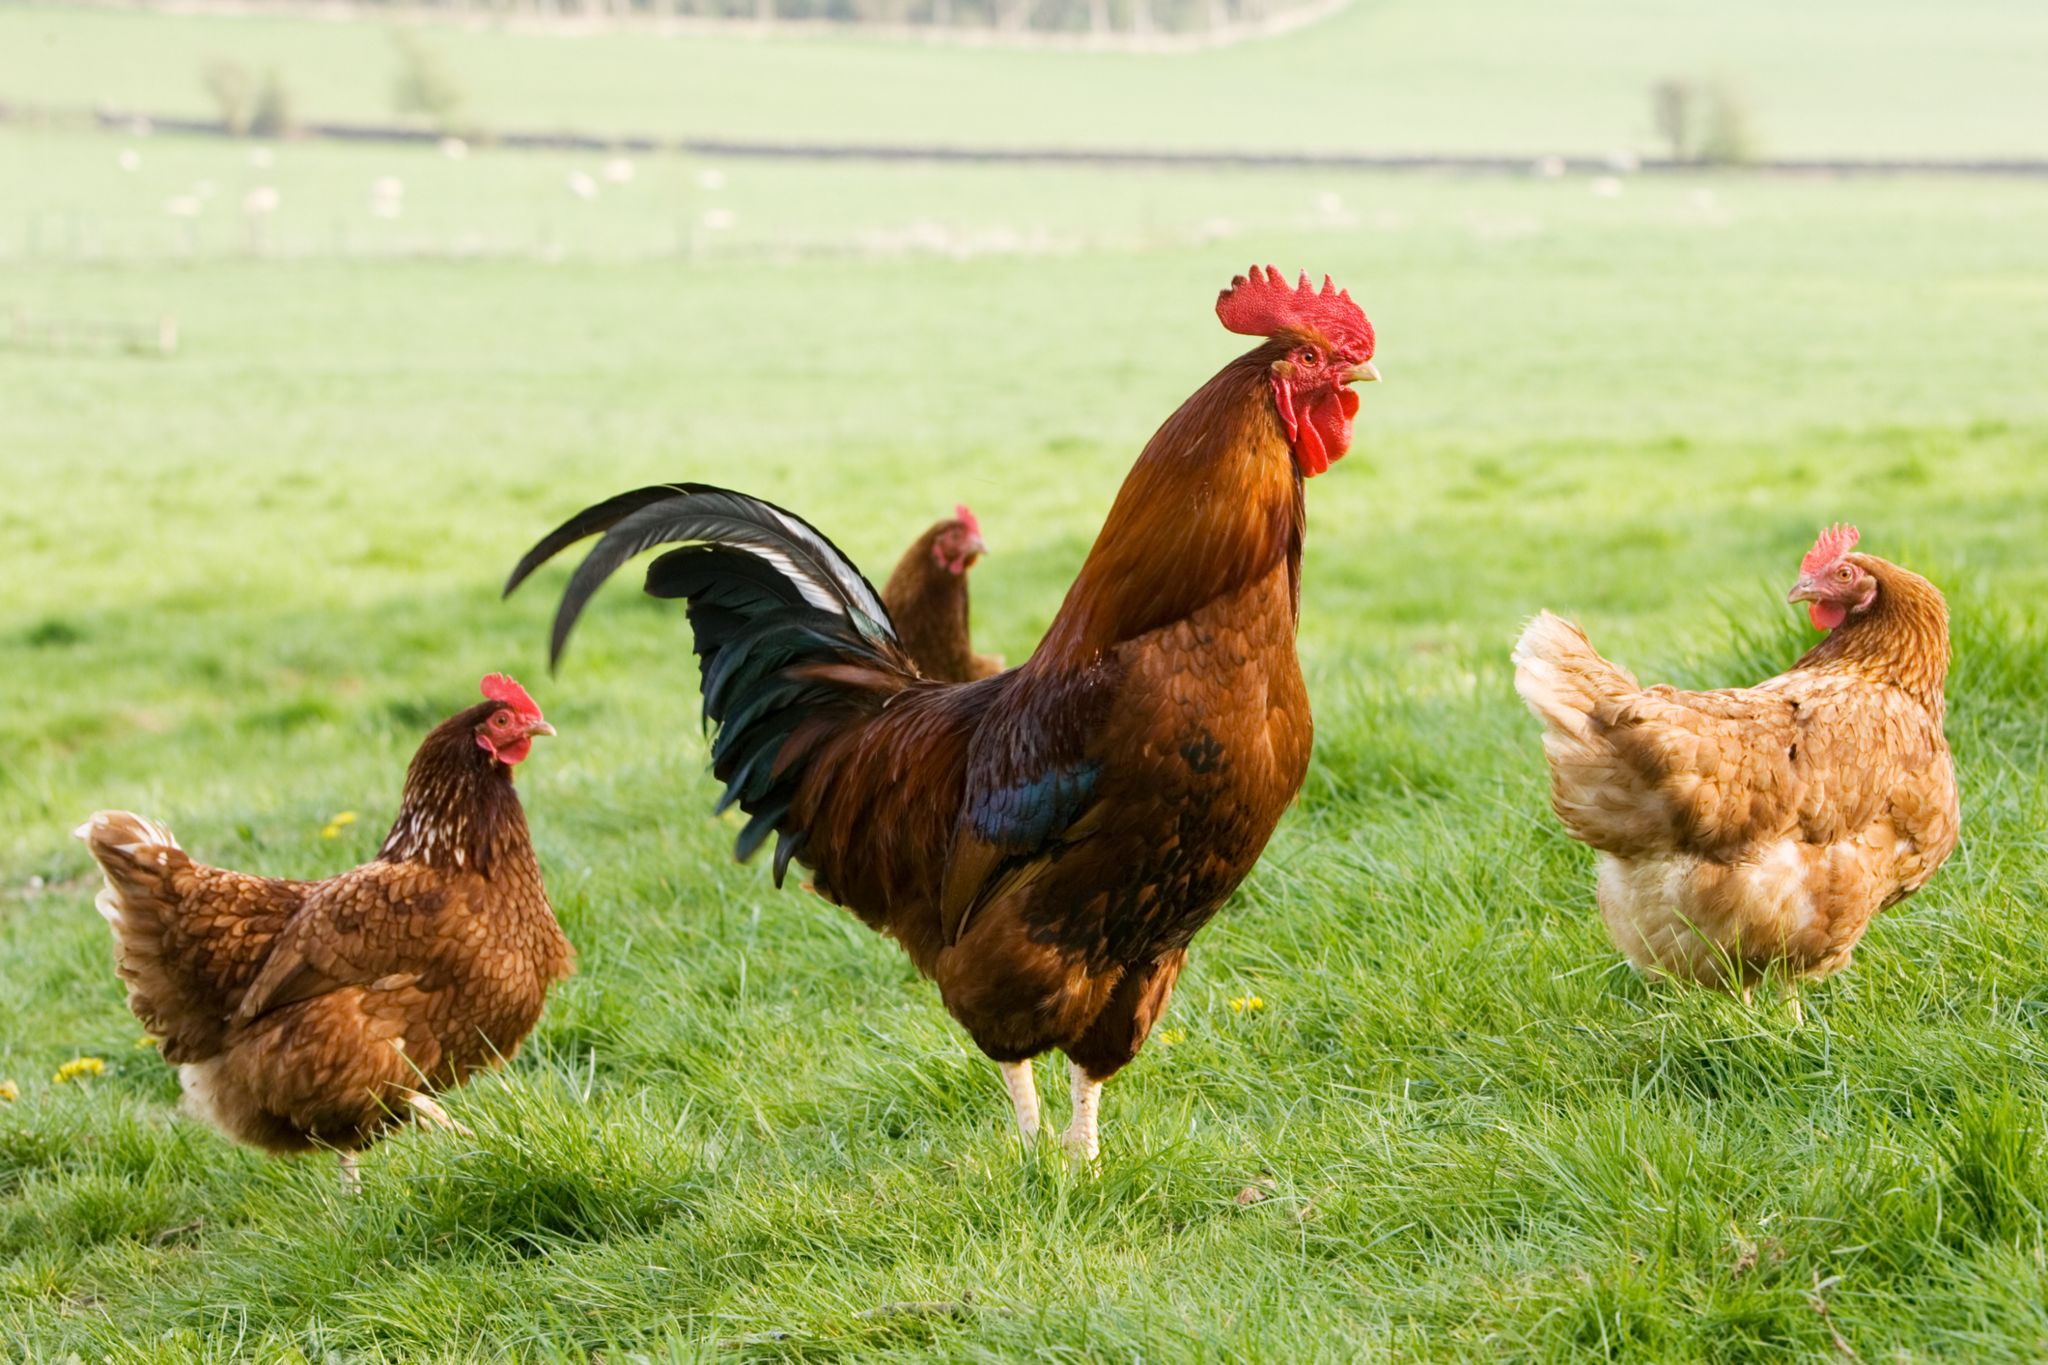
1082 1143
1023 1096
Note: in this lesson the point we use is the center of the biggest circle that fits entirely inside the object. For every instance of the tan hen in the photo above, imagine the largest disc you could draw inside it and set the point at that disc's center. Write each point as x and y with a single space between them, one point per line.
1755 829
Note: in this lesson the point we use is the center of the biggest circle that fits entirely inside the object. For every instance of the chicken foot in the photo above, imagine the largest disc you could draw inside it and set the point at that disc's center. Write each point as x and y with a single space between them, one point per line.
429 1113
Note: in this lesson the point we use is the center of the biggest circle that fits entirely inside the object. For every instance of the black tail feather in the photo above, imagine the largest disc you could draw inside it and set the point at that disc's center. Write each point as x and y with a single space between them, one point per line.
770 599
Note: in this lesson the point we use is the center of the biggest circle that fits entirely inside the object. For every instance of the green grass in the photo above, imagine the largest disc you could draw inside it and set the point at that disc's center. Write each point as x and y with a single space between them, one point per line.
238 584
1825 77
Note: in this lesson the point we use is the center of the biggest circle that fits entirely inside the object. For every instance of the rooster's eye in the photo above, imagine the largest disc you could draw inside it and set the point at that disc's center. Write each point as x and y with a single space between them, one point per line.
1306 357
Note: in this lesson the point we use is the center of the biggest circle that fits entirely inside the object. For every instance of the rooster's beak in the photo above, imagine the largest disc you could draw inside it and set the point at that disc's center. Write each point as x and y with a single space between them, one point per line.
1368 373
540 727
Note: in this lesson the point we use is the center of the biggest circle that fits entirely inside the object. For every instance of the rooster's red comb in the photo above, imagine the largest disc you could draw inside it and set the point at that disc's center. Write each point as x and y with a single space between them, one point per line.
965 516
499 687
1832 544
1261 303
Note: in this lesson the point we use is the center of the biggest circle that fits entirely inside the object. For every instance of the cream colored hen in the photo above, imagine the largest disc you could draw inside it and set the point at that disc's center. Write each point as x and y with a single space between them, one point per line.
1759 828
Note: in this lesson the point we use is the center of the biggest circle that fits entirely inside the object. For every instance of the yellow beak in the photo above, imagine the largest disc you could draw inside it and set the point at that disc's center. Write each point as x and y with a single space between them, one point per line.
1368 373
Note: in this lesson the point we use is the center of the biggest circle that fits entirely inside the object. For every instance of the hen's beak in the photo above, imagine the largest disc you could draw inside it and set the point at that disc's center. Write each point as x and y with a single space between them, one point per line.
540 727
1368 373
1803 591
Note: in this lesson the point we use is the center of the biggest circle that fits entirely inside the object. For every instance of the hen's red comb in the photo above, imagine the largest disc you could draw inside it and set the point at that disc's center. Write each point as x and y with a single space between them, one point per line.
500 688
966 518
1833 543
1259 304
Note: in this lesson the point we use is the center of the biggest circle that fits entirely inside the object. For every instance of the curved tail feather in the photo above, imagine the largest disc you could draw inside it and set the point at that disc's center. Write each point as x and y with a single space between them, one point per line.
685 513
793 643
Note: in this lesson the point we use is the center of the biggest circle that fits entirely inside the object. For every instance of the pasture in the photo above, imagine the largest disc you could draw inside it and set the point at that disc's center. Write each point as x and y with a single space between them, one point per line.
1407 1103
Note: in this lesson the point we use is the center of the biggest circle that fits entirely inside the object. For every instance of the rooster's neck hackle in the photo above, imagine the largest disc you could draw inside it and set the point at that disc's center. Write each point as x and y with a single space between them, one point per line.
1901 641
459 811
1213 504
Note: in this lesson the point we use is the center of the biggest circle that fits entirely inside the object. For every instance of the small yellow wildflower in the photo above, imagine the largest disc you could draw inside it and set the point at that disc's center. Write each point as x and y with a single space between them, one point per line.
1246 1004
1169 1036
333 828
147 1040
79 1066
9 1092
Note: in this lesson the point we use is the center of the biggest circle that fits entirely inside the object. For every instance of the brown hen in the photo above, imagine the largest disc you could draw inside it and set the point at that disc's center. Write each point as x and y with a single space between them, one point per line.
318 1014
927 600
1757 829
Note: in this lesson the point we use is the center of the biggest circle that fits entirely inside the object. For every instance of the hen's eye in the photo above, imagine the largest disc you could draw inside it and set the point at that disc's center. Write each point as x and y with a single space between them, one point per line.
1845 573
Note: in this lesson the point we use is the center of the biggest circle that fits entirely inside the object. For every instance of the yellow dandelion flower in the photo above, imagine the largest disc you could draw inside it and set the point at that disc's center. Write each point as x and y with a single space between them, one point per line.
9 1092
1246 1004
79 1066
1169 1036
147 1040
333 828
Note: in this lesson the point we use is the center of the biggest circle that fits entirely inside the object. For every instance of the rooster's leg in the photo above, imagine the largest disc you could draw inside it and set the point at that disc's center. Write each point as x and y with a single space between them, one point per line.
430 1114
1023 1095
1081 1140
351 1180
1798 1008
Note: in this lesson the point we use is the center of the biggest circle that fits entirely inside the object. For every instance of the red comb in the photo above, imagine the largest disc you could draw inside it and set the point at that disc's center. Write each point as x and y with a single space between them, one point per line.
1261 304
966 518
500 688
1833 543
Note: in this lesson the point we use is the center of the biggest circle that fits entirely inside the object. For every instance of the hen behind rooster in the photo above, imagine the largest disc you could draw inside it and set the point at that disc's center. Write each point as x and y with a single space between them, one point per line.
927 600
1757 828
316 1014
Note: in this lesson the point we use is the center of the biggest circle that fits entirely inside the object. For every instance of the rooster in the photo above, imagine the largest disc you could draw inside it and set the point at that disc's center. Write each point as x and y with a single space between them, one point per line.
927 600
1043 843
317 1014
1758 829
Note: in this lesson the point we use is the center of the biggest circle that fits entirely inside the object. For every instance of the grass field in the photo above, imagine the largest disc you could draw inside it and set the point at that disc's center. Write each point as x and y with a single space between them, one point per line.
1825 77
237 585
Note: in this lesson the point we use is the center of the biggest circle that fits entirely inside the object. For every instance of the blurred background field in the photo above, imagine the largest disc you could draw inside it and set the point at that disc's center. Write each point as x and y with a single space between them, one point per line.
239 580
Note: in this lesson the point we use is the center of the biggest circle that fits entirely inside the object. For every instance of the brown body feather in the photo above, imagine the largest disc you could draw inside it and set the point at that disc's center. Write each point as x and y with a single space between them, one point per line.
1756 827
927 602
307 1014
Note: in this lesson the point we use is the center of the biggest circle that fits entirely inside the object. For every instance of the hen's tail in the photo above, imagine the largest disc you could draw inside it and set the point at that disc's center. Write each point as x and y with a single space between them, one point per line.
143 905
1602 798
793 643
1563 678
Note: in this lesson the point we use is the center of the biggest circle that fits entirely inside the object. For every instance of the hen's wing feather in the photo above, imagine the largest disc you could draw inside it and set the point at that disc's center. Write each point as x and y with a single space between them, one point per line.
369 924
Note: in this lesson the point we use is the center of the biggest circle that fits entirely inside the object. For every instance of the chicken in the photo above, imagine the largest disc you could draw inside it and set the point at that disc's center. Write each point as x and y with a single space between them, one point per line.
1757 830
927 600
317 1014
1043 843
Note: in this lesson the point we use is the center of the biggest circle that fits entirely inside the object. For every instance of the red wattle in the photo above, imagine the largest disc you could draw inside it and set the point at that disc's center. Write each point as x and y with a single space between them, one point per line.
1309 452
1320 435
1826 615
1329 417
